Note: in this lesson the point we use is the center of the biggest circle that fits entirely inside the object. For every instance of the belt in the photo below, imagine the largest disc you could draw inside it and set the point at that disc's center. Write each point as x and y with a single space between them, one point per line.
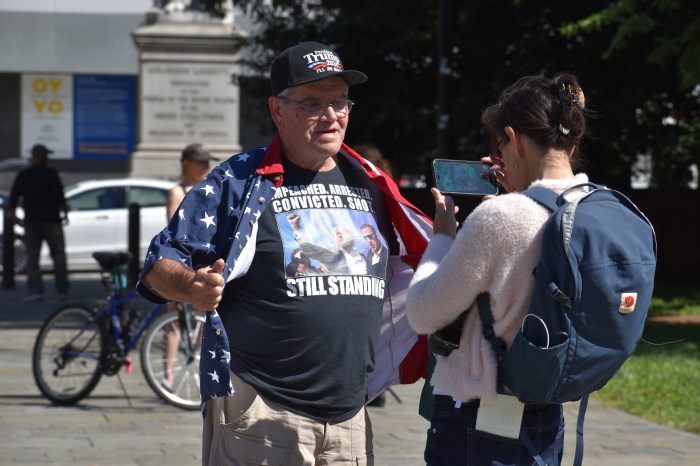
474 404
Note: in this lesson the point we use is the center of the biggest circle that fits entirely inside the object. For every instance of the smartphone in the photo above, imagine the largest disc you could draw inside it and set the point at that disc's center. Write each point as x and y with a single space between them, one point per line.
467 177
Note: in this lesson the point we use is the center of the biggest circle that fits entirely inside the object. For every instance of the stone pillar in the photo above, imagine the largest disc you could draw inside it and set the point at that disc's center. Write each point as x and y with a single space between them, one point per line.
187 91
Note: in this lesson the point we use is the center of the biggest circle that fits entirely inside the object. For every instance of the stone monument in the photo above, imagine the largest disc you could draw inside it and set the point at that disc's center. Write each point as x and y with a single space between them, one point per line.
187 87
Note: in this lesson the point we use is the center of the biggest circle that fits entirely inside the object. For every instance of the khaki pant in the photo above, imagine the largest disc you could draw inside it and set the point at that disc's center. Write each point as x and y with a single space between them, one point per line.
245 429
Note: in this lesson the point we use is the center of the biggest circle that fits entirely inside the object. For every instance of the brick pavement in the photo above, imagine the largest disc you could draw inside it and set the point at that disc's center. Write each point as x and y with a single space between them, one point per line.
104 430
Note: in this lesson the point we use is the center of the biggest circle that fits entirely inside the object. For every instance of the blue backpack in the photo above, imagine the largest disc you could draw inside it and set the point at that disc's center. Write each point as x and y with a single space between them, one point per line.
594 282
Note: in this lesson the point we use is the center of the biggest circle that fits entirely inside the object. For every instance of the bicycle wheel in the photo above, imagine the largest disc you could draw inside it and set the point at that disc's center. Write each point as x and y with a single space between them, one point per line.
66 358
168 347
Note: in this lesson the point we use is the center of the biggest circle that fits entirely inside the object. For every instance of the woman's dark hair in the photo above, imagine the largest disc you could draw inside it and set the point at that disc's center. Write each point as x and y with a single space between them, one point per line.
552 112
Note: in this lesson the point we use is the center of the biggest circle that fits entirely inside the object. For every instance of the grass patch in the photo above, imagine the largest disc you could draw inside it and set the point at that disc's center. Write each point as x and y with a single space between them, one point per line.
677 299
661 383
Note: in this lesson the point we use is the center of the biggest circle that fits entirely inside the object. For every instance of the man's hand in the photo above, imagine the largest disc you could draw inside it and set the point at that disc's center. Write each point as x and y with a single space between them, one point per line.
294 220
208 286
175 282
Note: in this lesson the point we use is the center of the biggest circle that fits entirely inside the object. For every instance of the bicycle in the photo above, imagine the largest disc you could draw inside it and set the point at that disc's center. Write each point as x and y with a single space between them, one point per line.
77 345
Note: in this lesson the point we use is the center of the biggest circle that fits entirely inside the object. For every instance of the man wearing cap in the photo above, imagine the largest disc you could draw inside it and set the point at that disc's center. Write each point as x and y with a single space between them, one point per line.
288 362
41 189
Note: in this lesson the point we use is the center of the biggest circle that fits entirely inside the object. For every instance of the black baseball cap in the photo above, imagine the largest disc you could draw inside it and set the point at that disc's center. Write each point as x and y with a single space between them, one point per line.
40 149
307 62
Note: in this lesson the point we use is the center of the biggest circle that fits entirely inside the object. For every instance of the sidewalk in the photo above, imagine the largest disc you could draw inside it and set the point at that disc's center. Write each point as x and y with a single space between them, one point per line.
104 430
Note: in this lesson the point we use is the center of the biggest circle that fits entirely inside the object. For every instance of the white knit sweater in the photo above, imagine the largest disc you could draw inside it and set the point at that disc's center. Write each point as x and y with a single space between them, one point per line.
496 251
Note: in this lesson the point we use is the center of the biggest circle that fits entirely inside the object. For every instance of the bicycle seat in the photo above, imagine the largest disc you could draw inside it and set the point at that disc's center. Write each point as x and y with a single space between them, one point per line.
111 260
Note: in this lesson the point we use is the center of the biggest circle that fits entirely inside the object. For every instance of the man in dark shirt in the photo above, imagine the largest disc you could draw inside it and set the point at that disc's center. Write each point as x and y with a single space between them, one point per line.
44 211
286 355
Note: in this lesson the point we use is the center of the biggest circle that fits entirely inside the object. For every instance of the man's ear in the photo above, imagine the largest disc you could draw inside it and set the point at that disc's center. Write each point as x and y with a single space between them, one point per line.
275 105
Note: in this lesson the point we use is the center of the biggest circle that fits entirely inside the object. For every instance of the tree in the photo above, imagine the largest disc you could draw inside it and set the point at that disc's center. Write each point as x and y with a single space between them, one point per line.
495 43
395 109
662 39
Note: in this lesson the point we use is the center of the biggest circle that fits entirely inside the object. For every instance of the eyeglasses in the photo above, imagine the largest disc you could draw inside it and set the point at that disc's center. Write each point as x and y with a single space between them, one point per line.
341 108
371 236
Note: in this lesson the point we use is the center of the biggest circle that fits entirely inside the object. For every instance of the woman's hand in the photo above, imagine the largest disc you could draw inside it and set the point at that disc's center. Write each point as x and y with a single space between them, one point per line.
445 222
499 168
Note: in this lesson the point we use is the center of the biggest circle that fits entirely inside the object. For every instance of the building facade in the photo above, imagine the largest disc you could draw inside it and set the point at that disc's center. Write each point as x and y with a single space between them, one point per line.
69 79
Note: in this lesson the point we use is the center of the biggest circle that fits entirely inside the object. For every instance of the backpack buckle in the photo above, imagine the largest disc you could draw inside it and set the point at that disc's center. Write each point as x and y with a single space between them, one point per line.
558 295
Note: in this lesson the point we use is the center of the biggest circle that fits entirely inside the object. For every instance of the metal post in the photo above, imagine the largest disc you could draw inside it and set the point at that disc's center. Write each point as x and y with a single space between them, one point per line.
8 249
134 243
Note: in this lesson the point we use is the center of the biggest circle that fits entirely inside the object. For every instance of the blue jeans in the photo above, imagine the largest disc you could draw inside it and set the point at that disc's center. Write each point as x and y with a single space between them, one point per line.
453 440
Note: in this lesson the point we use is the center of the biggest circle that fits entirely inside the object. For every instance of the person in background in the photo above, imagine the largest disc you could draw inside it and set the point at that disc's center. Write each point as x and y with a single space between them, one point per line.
535 128
194 163
288 363
45 212
372 153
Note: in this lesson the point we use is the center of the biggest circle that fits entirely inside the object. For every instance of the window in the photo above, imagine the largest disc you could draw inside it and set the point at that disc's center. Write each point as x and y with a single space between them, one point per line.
98 199
147 197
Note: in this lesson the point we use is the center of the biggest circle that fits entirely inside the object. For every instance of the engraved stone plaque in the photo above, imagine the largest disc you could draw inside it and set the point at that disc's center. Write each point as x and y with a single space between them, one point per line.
186 102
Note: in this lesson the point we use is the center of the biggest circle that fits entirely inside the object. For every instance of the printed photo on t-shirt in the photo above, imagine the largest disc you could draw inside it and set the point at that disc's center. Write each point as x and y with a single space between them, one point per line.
331 241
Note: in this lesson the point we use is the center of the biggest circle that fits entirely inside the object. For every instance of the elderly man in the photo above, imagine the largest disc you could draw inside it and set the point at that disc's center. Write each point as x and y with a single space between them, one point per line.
285 359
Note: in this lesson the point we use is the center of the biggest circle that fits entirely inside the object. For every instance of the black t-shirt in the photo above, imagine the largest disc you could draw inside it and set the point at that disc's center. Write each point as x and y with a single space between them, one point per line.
303 321
42 190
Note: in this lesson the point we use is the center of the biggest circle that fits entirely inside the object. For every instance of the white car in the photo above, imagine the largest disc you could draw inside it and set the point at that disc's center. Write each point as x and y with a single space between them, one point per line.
98 219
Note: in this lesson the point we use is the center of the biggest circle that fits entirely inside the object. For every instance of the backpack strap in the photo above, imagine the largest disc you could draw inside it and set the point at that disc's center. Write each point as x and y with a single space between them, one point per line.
552 201
543 196
483 301
578 455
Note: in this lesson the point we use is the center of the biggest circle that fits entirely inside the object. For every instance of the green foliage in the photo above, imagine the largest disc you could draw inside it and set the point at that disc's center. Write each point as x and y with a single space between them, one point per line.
638 62
663 36
661 382
675 299
396 107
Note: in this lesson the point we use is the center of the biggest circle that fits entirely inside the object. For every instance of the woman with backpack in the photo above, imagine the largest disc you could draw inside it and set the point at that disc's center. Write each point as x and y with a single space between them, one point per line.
535 128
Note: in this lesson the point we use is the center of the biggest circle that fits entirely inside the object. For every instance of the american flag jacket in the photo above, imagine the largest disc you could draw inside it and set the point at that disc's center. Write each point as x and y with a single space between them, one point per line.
218 219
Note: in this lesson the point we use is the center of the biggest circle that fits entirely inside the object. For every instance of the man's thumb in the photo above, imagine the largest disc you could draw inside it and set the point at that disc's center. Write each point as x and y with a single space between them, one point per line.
218 266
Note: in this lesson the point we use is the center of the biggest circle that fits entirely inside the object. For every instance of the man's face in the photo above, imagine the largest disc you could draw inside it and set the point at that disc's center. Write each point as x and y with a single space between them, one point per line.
343 239
309 140
372 239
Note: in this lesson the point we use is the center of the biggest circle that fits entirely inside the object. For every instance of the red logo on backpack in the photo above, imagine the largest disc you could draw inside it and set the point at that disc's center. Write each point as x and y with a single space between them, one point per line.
627 302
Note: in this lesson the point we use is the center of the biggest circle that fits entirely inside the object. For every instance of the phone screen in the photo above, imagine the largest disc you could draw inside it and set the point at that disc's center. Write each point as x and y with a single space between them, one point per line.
464 177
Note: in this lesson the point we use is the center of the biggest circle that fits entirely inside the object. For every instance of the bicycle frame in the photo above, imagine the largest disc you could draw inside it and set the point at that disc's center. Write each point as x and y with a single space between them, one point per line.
78 343
115 302
113 311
